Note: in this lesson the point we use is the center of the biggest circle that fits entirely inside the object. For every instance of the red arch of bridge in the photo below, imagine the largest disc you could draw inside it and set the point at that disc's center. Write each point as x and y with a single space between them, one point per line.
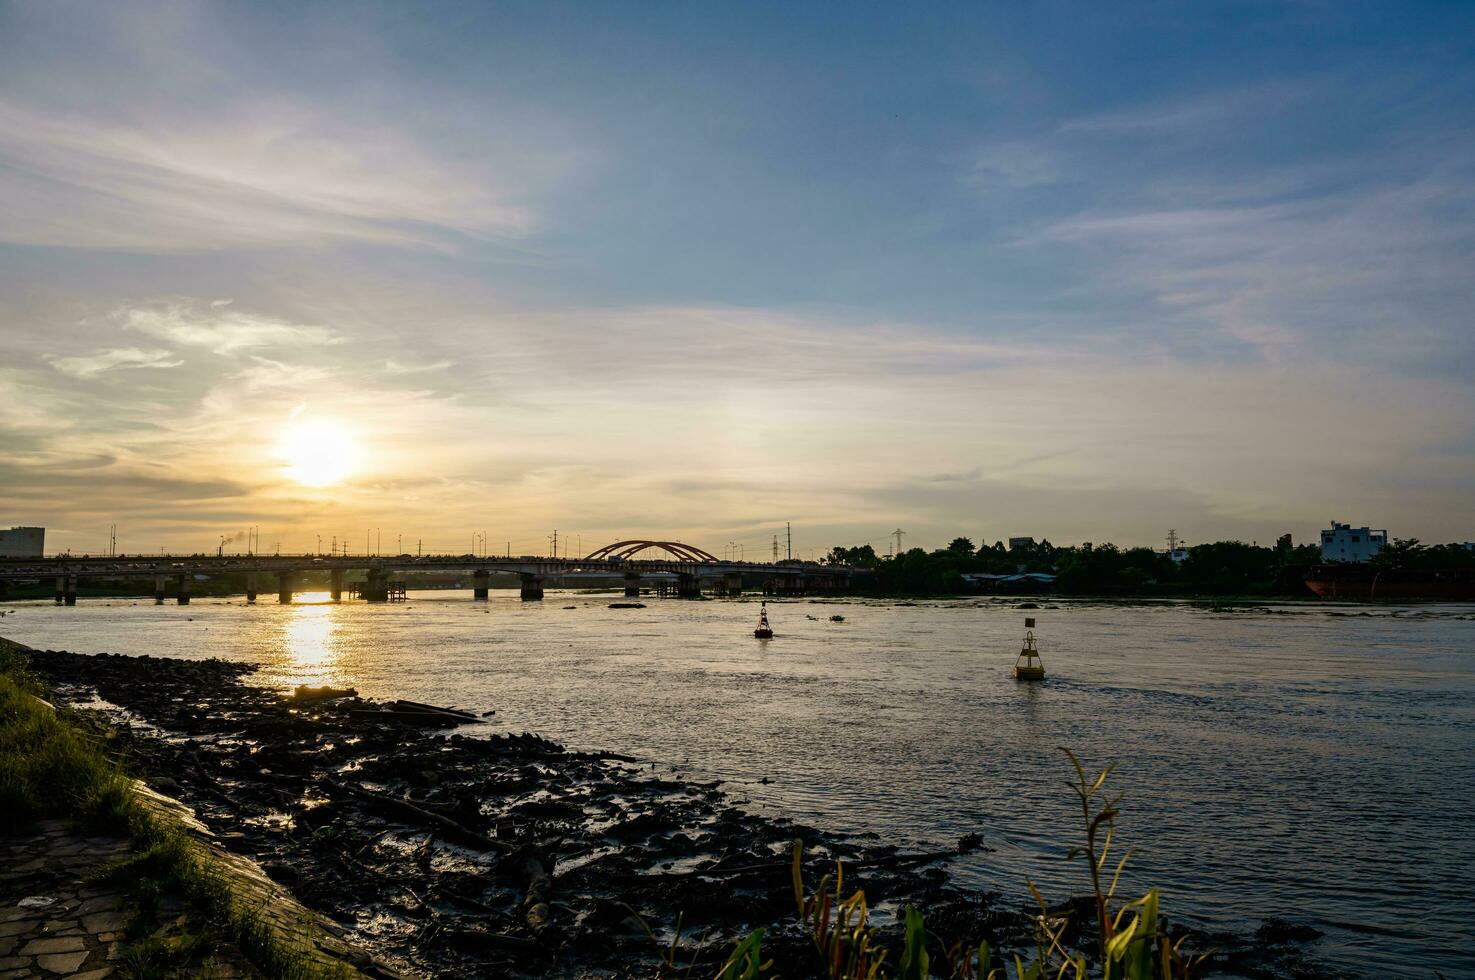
625 549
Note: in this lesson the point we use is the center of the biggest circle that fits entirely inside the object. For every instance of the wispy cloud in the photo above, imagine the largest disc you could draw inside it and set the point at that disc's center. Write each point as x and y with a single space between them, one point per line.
91 365
1368 274
1014 164
1201 110
224 330
255 175
391 366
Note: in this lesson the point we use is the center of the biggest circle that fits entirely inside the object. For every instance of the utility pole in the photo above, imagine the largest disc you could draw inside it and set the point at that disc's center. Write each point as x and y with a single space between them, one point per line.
555 542
419 546
112 541
789 541
378 540
897 534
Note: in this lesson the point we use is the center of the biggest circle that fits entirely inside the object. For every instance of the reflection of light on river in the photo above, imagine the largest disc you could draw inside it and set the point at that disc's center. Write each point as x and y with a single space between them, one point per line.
308 640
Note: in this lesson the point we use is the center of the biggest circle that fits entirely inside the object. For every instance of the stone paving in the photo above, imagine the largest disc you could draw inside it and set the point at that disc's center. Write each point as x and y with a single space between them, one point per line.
54 921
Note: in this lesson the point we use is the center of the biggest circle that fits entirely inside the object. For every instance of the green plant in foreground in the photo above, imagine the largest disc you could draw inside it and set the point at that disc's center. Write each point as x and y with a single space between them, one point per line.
1133 943
840 927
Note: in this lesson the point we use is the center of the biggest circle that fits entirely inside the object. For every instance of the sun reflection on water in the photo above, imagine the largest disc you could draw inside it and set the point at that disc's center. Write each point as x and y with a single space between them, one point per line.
308 641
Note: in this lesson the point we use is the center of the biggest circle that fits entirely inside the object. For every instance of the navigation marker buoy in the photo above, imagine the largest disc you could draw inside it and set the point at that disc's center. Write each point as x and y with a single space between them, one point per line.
1028 666
764 631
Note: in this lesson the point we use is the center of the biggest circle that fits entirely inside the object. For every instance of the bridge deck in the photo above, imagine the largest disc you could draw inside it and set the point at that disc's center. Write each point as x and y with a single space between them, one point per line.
147 566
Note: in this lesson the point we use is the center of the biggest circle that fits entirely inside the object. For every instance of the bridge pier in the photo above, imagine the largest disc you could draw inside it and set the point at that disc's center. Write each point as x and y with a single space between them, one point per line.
182 596
336 577
688 587
70 597
284 588
632 585
376 586
732 584
61 589
160 587
532 588
250 586
480 584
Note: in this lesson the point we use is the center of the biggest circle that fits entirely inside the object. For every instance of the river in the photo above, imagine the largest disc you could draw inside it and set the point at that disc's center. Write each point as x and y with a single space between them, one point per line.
1313 762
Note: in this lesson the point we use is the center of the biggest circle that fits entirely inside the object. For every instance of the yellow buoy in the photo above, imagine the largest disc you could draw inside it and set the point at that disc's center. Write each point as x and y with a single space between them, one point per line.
1028 666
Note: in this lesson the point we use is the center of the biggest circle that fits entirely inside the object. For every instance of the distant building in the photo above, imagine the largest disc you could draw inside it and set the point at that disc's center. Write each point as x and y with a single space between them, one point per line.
1176 555
1343 542
23 542
1016 543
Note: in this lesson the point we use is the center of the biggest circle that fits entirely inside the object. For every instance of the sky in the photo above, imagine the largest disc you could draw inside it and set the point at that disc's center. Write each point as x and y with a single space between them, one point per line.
1086 272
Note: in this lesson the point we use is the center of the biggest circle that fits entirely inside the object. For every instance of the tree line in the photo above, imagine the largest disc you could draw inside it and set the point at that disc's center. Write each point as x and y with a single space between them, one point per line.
1222 568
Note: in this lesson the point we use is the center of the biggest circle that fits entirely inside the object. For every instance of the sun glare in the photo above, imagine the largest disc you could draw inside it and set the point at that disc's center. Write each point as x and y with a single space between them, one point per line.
319 453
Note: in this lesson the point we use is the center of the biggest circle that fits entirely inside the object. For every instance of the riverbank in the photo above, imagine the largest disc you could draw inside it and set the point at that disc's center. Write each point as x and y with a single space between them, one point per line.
441 851
101 875
458 855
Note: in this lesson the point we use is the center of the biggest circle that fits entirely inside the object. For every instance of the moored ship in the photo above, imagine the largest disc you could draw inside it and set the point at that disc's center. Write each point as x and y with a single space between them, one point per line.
1366 583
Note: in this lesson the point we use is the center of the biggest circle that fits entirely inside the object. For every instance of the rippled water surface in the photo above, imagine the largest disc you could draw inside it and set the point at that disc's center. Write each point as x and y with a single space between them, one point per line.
1316 763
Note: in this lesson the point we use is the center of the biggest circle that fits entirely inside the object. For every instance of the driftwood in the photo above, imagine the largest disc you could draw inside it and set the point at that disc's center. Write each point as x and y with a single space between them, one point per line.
432 709
410 716
311 695
535 908
406 810
717 871
520 860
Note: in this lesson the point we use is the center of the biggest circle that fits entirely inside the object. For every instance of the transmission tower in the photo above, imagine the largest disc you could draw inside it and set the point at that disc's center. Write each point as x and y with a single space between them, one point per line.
897 535
775 549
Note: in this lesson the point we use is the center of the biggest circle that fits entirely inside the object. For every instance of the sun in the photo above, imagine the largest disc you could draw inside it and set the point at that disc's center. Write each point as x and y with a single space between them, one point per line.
319 452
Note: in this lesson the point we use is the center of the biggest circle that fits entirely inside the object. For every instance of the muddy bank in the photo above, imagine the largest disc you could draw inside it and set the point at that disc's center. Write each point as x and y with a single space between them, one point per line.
455 851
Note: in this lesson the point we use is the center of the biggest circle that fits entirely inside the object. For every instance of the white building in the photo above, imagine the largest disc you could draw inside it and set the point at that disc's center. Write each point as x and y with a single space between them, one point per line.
1343 542
23 542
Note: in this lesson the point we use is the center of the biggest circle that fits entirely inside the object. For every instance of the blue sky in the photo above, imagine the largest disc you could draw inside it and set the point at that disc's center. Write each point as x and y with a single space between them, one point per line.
1082 271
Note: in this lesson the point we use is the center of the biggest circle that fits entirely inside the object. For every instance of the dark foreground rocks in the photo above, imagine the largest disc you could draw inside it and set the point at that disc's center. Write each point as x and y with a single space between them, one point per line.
465 853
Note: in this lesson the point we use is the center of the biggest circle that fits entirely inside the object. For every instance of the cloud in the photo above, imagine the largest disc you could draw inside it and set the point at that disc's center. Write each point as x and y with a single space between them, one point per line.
223 330
248 175
91 365
391 366
1014 164
1212 108
1374 274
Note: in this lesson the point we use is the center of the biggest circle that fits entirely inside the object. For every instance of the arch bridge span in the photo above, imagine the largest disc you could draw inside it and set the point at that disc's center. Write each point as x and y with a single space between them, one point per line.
622 550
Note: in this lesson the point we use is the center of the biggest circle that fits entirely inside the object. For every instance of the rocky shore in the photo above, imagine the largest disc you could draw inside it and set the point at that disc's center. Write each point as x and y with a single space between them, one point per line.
449 850
451 853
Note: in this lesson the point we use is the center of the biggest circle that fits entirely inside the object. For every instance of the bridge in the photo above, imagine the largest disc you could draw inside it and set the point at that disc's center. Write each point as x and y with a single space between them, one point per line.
684 571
